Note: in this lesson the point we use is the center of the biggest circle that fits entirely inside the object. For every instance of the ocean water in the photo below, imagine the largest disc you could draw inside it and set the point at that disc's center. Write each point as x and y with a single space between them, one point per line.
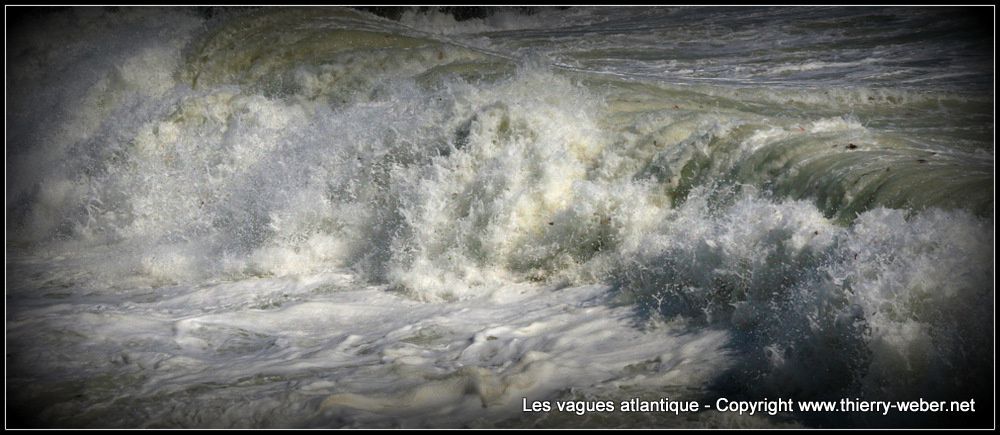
327 217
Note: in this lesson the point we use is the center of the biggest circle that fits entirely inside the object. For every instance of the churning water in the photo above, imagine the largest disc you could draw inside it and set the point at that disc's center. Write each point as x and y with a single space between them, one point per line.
324 217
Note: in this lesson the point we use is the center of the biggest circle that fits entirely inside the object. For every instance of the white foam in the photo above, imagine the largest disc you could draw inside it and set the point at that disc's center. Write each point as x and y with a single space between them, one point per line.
377 229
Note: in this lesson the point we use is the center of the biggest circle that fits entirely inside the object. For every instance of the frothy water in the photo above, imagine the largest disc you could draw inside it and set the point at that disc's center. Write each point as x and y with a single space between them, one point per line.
326 218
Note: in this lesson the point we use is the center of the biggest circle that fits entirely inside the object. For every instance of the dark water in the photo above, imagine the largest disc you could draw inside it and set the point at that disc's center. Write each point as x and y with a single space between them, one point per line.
326 217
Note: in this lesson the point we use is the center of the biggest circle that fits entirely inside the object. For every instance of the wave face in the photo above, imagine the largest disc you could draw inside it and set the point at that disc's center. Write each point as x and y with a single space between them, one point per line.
373 220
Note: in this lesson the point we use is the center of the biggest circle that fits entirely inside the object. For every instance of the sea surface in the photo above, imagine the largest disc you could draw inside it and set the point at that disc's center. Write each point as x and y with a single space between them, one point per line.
332 217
